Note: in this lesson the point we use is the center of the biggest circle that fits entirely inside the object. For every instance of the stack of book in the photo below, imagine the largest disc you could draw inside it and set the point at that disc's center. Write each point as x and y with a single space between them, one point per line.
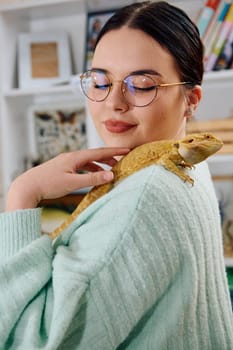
215 24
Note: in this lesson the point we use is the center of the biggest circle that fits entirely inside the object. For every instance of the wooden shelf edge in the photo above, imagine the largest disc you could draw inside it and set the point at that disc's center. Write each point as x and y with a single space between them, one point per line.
228 262
218 76
220 158
72 85
14 93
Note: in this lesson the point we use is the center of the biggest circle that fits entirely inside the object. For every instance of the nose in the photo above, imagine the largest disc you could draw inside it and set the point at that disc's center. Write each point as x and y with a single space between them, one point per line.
116 99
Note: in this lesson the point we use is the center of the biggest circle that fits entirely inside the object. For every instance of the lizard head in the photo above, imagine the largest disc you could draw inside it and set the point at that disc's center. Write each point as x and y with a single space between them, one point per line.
194 148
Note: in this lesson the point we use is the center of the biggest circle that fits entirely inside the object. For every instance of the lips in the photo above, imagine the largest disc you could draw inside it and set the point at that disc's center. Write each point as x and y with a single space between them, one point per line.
117 126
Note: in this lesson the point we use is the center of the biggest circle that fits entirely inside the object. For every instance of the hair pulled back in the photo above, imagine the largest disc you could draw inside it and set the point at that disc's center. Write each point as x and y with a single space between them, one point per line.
171 28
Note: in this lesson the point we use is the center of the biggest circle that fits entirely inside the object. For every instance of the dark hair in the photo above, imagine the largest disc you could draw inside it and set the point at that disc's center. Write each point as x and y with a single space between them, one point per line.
170 27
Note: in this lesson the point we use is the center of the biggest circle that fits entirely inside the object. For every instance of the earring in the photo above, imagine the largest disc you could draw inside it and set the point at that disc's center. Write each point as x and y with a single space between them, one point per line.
189 111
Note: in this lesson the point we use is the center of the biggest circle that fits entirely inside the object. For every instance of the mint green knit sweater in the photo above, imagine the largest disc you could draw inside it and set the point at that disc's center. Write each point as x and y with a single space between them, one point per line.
141 268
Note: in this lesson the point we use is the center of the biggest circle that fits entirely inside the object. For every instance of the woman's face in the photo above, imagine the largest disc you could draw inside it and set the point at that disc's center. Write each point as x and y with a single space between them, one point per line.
121 52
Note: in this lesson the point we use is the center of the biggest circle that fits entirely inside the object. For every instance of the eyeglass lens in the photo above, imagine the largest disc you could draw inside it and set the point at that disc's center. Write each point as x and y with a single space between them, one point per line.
139 90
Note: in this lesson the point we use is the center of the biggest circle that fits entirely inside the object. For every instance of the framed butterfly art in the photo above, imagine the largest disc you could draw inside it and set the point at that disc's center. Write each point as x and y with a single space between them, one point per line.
54 129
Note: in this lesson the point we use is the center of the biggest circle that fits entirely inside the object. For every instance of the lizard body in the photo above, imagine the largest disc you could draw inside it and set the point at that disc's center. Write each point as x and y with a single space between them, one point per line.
173 155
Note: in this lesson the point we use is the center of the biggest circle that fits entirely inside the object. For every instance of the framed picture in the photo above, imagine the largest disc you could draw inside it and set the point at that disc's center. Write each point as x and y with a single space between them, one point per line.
55 128
95 22
43 59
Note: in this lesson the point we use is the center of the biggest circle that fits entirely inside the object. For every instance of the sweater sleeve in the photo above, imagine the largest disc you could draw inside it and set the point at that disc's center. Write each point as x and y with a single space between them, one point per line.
17 229
22 251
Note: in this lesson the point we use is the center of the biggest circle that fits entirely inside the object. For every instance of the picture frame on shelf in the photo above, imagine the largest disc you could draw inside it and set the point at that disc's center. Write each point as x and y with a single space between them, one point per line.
43 59
55 128
95 22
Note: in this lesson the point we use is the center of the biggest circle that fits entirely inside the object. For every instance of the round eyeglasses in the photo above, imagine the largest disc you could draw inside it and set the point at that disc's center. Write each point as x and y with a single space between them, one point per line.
138 90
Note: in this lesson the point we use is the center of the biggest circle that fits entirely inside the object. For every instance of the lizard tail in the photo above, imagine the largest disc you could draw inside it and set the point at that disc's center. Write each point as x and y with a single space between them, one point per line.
89 198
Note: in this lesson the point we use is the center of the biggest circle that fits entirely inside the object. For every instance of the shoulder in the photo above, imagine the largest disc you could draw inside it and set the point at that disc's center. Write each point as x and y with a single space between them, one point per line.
156 184
170 209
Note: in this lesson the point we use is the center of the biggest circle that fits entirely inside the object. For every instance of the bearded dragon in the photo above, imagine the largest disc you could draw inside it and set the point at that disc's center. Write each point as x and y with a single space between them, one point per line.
173 155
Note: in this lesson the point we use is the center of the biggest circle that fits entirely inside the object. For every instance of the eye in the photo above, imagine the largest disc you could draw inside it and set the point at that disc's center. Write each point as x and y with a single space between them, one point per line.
140 89
190 140
139 83
101 87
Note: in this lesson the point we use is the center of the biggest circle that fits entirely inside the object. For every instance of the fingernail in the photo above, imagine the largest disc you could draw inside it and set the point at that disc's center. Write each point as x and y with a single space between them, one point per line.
108 175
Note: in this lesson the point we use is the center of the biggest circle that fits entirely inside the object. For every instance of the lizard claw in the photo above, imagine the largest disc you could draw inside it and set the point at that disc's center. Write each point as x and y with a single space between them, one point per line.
189 179
187 165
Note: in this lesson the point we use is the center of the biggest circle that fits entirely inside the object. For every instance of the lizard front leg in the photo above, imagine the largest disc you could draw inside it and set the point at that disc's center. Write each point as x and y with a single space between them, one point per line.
186 165
170 165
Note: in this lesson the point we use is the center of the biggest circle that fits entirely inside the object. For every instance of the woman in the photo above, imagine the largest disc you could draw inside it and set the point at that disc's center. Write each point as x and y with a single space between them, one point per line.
142 267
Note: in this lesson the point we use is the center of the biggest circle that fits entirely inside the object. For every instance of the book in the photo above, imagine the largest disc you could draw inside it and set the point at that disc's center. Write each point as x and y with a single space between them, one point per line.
225 58
213 21
206 15
223 34
213 29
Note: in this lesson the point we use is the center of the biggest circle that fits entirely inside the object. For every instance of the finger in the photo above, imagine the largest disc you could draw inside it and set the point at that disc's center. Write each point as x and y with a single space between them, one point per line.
77 181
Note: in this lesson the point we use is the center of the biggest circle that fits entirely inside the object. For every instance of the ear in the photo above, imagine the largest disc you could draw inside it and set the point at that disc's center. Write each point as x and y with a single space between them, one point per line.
193 97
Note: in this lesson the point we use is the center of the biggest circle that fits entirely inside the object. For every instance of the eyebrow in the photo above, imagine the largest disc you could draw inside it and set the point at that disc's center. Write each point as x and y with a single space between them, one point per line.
140 71
146 71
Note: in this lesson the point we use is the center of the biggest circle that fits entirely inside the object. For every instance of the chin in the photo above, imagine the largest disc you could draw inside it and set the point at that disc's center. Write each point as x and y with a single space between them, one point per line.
113 141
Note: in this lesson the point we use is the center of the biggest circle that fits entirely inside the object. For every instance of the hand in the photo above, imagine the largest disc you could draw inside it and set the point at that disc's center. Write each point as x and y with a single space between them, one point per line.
58 176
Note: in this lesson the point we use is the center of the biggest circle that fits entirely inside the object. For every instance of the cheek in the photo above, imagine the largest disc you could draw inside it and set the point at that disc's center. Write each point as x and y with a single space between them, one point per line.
94 111
159 123
152 117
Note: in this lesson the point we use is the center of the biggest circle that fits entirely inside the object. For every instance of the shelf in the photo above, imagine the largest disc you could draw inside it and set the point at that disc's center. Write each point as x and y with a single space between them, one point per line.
36 8
221 166
14 93
15 5
71 87
220 159
228 262
28 10
219 76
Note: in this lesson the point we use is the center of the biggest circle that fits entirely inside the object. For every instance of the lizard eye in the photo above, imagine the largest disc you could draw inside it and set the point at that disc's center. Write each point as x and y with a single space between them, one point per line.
190 140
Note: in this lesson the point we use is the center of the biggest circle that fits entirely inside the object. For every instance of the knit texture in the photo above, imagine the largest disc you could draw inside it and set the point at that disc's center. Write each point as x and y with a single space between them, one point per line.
141 268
